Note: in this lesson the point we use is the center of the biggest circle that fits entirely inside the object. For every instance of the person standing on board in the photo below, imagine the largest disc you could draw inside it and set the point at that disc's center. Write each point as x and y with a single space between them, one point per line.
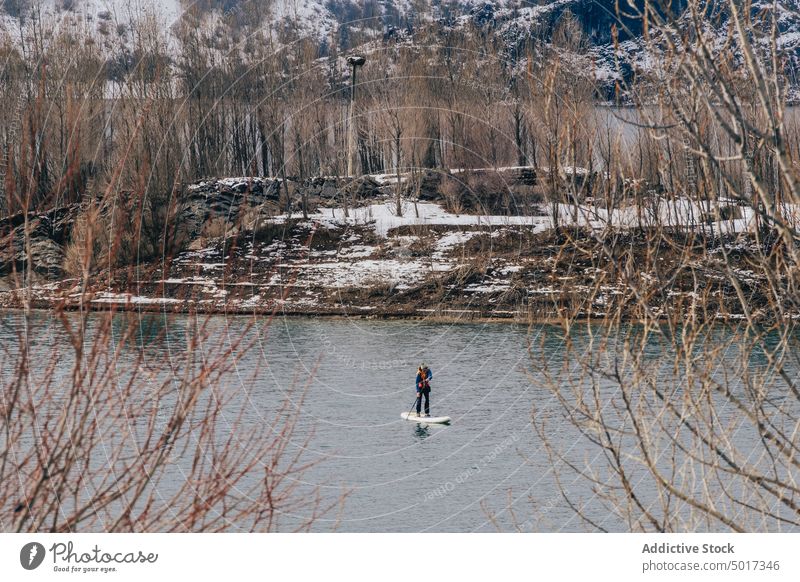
423 384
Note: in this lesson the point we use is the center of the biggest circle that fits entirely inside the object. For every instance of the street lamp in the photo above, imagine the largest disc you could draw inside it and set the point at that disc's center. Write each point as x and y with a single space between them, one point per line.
354 61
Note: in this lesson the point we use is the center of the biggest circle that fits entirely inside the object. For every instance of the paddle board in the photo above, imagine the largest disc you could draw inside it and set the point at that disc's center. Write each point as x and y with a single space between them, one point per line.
426 419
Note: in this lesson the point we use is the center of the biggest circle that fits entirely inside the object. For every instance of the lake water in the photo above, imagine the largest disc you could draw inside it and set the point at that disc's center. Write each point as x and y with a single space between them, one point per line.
488 470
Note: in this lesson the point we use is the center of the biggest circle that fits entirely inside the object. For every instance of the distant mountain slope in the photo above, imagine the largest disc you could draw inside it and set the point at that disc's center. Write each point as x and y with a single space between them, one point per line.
351 22
319 17
90 11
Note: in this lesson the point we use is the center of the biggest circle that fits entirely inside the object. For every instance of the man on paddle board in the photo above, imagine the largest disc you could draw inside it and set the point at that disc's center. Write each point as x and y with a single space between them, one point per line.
423 384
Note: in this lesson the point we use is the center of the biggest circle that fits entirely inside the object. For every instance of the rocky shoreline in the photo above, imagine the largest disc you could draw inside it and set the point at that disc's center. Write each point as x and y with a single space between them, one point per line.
244 257
507 273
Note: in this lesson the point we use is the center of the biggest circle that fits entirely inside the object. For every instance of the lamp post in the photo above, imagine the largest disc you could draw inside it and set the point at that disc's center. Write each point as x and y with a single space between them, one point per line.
354 61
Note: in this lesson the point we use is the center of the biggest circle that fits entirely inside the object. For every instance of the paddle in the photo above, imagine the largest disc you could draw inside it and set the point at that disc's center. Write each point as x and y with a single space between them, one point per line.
414 404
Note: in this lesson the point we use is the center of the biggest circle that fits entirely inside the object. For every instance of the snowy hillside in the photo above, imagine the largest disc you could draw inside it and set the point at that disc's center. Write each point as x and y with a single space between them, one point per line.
320 17
90 11
351 23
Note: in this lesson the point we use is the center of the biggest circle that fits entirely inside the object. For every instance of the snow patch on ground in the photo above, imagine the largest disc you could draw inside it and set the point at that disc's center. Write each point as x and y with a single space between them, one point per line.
356 251
383 218
125 298
398 274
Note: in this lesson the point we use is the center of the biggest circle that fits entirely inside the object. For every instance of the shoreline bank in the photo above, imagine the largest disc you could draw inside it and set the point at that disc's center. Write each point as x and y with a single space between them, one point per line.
445 316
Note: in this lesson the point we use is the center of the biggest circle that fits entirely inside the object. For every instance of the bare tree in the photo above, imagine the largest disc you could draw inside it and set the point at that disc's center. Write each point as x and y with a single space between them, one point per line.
690 416
128 442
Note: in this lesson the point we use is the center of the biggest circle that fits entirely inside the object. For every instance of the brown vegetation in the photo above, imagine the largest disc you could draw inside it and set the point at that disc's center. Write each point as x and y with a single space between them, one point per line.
711 127
691 419
128 442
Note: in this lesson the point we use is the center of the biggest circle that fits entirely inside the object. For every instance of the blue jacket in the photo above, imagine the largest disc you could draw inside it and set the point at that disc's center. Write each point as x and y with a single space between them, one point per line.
428 378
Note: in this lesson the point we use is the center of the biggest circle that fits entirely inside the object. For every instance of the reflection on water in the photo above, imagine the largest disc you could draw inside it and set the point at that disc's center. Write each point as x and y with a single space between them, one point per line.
422 431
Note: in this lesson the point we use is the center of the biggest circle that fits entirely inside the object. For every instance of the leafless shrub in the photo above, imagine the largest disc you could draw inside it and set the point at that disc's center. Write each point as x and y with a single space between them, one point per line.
487 193
272 231
686 434
453 191
80 254
125 442
219 227
689 413
251 217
